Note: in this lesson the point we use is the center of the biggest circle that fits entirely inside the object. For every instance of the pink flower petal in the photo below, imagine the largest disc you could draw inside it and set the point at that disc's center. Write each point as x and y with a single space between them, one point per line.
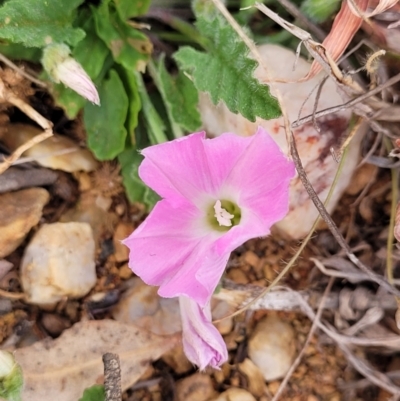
170 247
189 167
202 343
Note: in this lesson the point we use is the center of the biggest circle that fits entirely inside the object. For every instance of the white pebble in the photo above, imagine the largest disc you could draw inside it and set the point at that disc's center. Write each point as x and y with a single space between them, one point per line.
272 347
59 262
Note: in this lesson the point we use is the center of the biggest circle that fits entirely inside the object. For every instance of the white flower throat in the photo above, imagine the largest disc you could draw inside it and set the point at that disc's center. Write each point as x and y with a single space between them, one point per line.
223 217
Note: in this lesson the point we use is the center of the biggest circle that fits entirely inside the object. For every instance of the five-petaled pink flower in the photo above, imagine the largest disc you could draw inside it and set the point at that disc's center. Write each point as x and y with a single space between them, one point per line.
217 193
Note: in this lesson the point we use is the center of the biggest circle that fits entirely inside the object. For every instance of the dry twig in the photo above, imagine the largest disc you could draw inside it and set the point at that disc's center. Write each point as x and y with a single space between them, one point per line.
112 377
305 345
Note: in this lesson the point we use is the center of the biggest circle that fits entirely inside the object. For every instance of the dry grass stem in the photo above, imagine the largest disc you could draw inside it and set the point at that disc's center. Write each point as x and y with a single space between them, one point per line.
8 96
307 341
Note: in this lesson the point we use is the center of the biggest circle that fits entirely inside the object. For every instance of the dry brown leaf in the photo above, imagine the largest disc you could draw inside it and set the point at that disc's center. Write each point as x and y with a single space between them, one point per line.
344 27
61 369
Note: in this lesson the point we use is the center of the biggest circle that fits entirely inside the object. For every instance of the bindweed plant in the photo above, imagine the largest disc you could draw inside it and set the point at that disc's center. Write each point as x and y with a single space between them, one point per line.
95 56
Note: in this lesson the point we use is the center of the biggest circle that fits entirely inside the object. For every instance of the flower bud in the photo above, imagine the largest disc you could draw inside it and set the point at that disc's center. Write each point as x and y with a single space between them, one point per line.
7 364
63 68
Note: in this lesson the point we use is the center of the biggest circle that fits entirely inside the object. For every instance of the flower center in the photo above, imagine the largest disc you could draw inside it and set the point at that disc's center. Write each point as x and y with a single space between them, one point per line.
223 215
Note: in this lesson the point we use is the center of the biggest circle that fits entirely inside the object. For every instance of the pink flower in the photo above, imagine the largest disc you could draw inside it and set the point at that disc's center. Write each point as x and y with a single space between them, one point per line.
202 343
217 193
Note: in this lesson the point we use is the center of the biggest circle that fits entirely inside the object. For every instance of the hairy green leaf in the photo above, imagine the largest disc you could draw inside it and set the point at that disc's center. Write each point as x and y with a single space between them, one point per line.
129 9
135 188
105 124
180 98
17 51
36 23
129 47
94 393
226 72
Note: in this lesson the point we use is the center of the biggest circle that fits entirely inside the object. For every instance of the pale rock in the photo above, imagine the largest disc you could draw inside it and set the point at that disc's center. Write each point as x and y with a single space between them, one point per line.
57 152
255 380
235 394
272 347
19 212
198 387
142 306
59 262
122 231
313 147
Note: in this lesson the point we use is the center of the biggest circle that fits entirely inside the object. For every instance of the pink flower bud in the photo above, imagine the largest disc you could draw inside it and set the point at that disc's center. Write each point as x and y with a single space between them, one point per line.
202 343
61 67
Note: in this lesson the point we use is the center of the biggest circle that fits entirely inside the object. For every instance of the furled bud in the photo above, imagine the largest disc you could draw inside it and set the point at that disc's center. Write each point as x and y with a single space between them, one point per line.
63 68
11 378
7 364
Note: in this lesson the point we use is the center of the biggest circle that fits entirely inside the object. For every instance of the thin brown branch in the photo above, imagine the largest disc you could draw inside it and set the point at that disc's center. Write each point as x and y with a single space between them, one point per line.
332 225
348 104
305 345
112 377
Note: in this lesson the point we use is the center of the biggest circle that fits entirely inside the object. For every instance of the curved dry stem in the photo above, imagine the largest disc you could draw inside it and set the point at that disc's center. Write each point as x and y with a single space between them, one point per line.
35 116
21 72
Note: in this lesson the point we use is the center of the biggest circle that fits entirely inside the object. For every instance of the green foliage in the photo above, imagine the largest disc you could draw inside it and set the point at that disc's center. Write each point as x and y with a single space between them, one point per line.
320 10
11 385
154 124
129 80
226 72
129 47
180 98
136 190
94 393
129 9
105 124
36 23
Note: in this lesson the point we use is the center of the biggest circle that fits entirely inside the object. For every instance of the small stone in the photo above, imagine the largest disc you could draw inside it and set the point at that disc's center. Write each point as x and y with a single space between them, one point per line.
58 263
55 324
198 387
57 152
19 212
121 251
235 394
143 307
251 258
255 379
125 272
222 310
272 347
177 360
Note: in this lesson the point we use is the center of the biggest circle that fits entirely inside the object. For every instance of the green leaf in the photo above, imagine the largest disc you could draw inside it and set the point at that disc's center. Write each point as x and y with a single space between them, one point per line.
320 10
226 72
154 124
129 47
36 23
129 9
94 393
135 188
11 386
16 51
135 104
92 62
180 98
105 124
